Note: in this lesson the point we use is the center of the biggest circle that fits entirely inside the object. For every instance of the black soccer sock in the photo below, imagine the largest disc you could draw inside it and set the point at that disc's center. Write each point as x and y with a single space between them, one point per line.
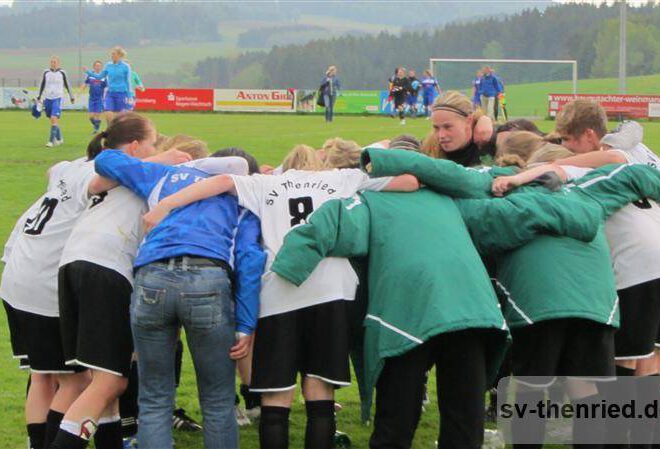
274 428
178 359
526 429
66 440
250 398
53 420
37 434
108 435
619 392
321 426
128 406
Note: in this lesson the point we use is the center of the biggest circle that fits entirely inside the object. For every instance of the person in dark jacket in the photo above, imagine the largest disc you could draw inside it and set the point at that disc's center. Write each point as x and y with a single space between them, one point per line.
330 89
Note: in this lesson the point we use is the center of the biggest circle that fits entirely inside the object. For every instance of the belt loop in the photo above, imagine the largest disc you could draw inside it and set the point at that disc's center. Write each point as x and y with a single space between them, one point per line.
170 264
184 263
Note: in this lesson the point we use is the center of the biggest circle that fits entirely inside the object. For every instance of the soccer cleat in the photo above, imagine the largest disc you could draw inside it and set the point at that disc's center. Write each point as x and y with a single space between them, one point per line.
183 422
403 121
341 440
59 142
241 418
49 144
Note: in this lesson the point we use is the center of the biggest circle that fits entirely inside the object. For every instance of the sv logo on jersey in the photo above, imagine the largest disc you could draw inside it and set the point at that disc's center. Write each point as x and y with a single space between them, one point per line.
184 176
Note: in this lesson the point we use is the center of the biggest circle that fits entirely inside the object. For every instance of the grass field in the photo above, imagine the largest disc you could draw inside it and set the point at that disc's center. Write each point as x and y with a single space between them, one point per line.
531 100
23 164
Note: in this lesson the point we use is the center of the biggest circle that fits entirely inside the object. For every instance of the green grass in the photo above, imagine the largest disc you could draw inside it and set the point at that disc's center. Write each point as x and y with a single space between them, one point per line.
532 99
23 164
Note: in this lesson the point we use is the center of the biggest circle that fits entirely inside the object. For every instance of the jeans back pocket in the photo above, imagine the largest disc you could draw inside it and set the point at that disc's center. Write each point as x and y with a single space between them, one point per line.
148 307
202 310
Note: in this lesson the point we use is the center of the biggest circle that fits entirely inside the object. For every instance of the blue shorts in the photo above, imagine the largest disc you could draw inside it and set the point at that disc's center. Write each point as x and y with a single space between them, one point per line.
53 108
95 105
130 103
411 100
115 101
428 98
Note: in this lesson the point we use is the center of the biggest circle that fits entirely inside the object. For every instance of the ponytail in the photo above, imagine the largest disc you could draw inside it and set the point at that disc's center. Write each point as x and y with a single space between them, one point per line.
124 128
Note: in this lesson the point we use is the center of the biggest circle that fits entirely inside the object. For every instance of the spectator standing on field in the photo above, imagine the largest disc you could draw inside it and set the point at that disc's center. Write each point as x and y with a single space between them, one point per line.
330 89
489 88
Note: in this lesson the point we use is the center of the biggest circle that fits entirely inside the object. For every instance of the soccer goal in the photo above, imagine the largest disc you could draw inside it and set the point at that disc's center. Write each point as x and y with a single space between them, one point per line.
527 82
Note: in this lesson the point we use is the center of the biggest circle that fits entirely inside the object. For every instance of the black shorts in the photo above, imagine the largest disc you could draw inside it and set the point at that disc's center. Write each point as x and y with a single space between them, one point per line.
36 342
639 333
18 346
571 347
399 100
95 317
312 341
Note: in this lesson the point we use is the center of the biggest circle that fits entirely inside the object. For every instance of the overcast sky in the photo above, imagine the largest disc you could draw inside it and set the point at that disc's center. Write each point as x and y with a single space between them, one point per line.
530 2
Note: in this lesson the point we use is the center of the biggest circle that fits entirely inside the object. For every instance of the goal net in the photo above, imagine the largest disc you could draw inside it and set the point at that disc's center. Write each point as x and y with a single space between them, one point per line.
527 82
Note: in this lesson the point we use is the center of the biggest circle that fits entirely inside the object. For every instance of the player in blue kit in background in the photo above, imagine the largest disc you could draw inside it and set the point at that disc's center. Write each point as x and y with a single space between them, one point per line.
117 74
96 91
136 83
52 88
413 92
430 90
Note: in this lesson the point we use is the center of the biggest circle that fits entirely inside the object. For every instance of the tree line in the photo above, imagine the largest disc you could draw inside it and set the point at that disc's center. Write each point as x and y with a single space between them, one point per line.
586 33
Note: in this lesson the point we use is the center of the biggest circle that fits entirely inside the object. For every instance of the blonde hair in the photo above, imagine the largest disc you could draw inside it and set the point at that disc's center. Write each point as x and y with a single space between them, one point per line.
340 153
196 148
578 116
119 50
55 57
331 70
431 146
519 143
302 157
549 152
456 102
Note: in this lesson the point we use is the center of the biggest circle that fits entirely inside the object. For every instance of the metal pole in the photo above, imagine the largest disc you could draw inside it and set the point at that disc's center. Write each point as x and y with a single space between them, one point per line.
575 77
79 42
622 47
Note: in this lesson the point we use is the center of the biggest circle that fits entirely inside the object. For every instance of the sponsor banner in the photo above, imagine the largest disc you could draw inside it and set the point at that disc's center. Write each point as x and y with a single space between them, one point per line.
634 106
306 100
254 100
174 100
357 102
19 98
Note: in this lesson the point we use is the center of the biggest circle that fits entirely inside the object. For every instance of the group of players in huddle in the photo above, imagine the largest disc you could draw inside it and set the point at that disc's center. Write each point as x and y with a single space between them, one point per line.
129 244
111 90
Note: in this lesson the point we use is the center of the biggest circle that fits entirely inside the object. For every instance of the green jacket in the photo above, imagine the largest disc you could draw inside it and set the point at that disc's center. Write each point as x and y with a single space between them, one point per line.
425 276
550 277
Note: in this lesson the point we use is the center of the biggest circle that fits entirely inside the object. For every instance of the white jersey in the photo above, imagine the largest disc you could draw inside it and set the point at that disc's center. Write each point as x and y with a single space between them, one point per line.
53 84
29 280
285 201
633 232
109 232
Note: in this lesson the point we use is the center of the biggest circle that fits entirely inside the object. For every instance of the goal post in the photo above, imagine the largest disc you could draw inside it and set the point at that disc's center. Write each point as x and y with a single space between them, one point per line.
527 82
482 62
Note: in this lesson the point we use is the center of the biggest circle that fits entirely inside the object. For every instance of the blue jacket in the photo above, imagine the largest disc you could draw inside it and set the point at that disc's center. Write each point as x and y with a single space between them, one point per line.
330 85
216 227
490 86
118 76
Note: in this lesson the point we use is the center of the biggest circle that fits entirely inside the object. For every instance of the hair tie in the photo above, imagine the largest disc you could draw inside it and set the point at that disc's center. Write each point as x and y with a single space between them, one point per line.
104 134
446 107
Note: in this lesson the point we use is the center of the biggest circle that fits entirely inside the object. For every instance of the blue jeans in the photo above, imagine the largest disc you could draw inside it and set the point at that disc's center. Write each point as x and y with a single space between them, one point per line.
329 101
199 299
